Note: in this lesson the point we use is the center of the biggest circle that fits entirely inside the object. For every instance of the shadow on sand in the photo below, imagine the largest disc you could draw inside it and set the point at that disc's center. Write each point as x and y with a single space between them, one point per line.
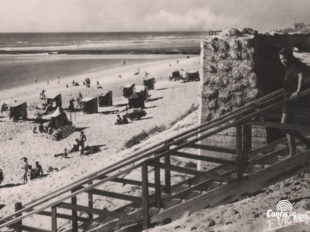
121 105
161 89
110 112
150 107
79 129
10 186
144 118
89 150
154 99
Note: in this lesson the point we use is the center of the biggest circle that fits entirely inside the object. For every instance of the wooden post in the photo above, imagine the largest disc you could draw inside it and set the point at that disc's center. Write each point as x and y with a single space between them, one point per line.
90 202
239 151
54 219
244 146
167 175
18 206
157 184
145 196
246 143
74 213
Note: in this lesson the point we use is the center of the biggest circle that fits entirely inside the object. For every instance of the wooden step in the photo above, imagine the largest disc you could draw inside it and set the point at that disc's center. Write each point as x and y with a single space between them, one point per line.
186 191
115 195
104 225
234 191
213 148
88 210
268 148
28 228
213 177
282 126
63 216
128 181
203 158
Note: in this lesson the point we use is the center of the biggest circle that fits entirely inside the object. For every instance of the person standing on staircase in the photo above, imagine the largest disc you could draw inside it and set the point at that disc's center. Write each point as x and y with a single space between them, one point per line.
295 80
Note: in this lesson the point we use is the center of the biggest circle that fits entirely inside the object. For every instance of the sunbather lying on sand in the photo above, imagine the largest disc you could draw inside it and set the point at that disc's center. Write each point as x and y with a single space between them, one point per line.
64 154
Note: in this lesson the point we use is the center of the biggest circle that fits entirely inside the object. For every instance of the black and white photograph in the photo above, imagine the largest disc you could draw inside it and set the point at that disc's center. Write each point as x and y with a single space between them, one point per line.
155 115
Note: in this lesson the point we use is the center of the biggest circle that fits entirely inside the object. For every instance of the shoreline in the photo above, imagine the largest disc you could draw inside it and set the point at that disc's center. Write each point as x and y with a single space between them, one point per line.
96 63
94 75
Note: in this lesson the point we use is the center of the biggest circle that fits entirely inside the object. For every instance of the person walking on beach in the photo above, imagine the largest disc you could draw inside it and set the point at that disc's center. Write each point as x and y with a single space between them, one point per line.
38 170
82 141
26 168
295 80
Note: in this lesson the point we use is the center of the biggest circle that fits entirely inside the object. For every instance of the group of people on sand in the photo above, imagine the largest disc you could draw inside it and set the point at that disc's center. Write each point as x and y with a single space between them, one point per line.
79 145
30 172
72 100
121 120
42 94
87 82
42 129
47 82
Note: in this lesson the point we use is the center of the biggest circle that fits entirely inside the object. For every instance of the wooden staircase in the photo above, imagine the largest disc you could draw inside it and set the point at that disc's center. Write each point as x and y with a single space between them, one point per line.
163 197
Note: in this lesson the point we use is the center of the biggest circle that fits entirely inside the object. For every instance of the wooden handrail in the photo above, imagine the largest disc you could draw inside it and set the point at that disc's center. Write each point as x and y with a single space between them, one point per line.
149 152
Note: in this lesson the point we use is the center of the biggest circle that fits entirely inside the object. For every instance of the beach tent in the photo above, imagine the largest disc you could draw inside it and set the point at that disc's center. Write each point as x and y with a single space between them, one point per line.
149 83
136 95
192 76
53 101
89 105
18 110
58 119
128 90
106 99
176 75
141 91
140 94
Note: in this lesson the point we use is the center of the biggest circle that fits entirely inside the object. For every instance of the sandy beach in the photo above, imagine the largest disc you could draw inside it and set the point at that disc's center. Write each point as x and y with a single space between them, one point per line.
171 101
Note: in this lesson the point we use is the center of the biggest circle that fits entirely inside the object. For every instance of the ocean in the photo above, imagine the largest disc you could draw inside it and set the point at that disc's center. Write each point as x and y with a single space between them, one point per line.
24 56
106 42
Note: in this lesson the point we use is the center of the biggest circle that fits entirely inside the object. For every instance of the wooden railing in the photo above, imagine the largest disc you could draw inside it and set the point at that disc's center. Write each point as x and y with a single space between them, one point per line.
151 157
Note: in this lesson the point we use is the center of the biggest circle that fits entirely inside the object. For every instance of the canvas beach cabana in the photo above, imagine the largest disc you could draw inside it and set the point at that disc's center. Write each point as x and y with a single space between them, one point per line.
53 101
149 83
136 95
18 110
89 105
128 90
192 76
61 125
106 99
58 119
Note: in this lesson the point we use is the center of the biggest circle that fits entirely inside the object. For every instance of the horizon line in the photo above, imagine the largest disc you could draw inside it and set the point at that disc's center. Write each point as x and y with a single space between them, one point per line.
50 32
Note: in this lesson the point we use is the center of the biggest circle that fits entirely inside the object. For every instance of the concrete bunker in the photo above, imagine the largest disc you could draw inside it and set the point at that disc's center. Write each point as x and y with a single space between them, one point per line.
238 67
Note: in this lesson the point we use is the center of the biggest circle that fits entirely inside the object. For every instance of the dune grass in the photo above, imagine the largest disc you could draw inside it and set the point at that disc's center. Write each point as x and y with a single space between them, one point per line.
157 129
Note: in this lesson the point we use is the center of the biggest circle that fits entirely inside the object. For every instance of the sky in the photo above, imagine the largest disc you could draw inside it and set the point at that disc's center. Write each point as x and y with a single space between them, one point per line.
149 15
